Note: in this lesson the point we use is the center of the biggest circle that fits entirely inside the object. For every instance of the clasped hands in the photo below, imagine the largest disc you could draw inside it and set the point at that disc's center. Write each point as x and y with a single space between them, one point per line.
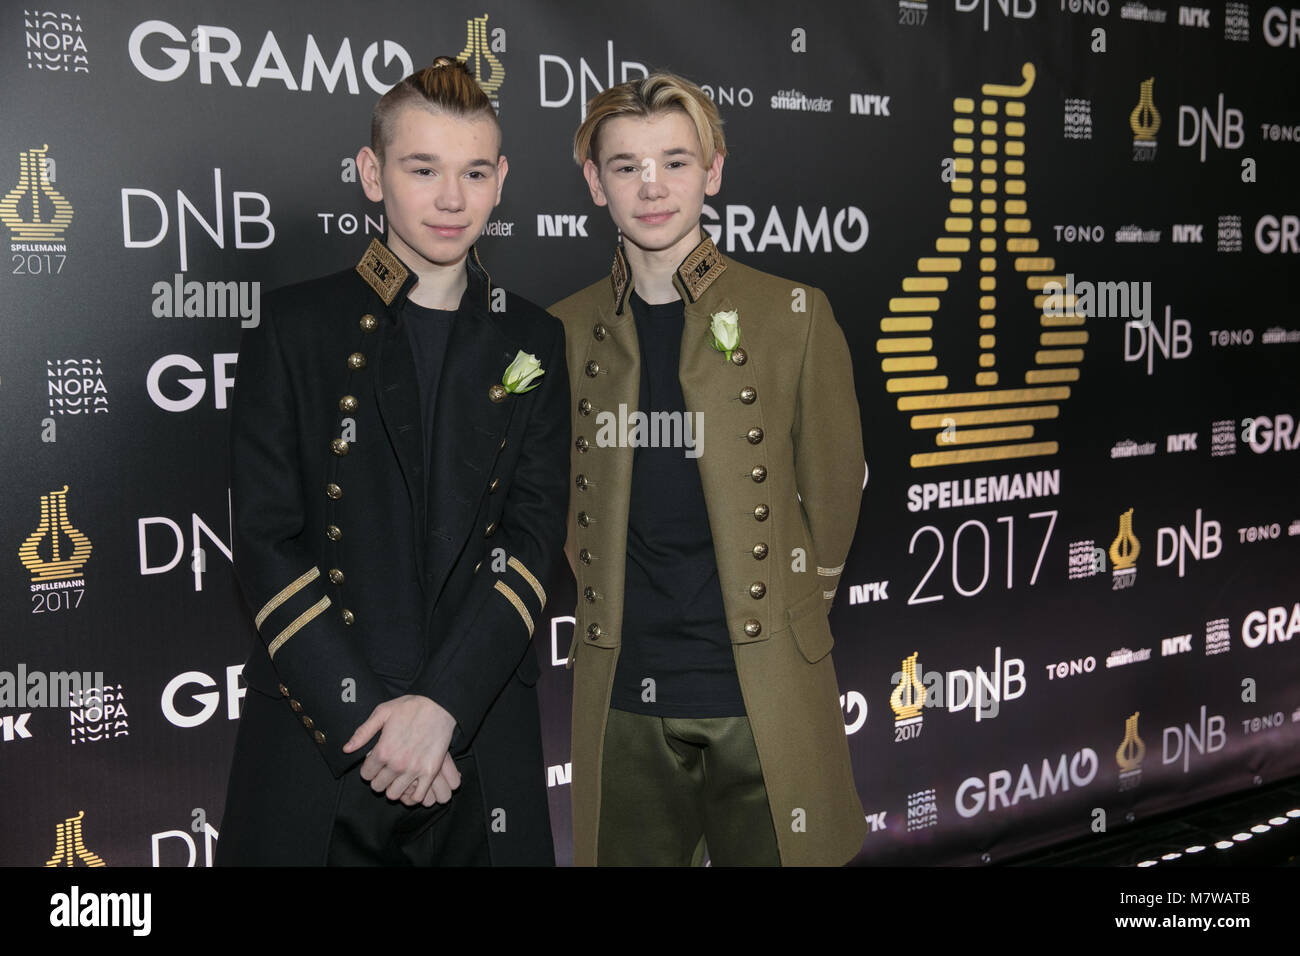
410 762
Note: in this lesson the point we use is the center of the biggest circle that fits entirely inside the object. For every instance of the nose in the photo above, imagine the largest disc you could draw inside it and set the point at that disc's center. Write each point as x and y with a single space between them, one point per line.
651 187
451 195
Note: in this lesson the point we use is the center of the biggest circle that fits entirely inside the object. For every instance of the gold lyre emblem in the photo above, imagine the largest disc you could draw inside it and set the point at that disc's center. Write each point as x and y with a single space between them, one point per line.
21 209
68 844
1124 549
55 527
1131 750
477 53
909 696
1145 118
995 420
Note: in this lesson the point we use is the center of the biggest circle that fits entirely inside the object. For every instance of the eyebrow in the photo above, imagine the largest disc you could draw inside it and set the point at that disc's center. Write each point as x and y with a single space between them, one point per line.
433 158
675 151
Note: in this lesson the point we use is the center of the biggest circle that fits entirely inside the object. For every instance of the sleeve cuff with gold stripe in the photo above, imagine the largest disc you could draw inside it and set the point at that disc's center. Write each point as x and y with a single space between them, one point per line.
521 588
295 606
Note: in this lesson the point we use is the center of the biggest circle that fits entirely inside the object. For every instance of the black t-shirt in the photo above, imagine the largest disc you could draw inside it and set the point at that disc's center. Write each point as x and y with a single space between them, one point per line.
674 623
429 330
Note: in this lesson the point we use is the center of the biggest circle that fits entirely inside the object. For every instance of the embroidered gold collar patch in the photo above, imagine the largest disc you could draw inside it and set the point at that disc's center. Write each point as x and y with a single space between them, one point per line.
694 276
382 271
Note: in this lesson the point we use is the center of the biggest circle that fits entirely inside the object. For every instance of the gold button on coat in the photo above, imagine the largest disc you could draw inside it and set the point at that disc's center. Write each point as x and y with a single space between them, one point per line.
336 575
583 518
356 361
284 691
748 394
753 628
348 403
308 722
761 512
582 444
757 590
368 323
590 594
758 473
490 530
493 485
295 707
318 737
760 551
584 556
332 532
755 436
593 369
339 446
333 491
581 482
599 332
593 631
738 356
348 616
497 393
584 406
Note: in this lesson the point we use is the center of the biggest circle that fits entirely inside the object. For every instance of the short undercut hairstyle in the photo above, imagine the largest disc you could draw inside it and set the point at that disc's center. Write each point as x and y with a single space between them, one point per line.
445 86
655 94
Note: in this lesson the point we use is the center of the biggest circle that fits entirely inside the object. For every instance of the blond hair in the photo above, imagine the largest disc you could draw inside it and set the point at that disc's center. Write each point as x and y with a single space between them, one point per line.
445 86
656 93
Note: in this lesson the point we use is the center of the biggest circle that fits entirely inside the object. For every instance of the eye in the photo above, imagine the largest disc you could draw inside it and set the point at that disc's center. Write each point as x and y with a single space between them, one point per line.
476 174
628 168
423 171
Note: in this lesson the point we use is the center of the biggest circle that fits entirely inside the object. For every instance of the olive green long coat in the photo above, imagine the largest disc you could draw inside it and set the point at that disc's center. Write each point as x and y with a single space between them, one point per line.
782 472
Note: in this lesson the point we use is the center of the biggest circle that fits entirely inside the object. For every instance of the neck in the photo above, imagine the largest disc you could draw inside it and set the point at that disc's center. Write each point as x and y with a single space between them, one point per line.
653 269
437 286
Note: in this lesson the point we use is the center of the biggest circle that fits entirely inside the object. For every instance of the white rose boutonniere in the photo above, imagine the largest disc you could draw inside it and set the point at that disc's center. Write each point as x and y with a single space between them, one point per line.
519 377
725 328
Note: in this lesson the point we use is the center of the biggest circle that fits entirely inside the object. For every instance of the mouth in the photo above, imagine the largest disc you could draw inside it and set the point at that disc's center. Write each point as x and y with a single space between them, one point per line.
448 232
654 218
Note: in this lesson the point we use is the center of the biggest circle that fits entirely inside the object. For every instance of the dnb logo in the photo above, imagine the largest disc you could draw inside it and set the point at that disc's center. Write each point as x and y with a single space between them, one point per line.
991 412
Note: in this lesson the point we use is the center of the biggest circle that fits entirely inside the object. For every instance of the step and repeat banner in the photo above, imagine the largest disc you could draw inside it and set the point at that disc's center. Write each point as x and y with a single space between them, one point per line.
1061 237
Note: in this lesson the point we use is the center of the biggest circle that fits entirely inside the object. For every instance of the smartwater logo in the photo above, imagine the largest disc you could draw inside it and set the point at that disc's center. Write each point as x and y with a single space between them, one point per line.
74 908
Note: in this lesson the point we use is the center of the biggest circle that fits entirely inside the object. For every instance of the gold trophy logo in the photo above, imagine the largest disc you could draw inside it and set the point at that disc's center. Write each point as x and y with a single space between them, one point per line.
477 54
54 526
996 419
1124 551
1145 122
907 700
21 209
68 843
1129 754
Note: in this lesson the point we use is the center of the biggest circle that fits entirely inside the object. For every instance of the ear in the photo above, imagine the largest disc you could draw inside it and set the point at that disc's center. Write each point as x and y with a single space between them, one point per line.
502 168
368 168
713 181
592 175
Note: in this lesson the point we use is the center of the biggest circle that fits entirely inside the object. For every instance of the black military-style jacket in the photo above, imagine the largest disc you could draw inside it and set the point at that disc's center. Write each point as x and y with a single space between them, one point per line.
356 583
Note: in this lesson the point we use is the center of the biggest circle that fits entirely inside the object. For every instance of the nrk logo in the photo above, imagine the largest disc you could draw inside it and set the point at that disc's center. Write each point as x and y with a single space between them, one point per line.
876 821
1274 626
1226 128
1187 232
1270 433
1180 741
1015 9
976 795
162 381
178 700
97 713
868 104
875 591
1129 754
54 555
258 225
14 727
1194 17
554 70
1179 644
846 229
554 225
36 213
161 52
1144 120
1181 441
76 386
54 42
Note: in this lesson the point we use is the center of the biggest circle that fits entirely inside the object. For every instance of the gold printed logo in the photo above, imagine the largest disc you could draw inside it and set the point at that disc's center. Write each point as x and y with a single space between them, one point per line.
34 210
1145 118
1124 549
909 696
994 420
477 54
68 843
48 537
1131 750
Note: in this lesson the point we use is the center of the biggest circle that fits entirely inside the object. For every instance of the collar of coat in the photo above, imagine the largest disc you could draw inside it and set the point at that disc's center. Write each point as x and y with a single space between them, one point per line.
696 273
392 281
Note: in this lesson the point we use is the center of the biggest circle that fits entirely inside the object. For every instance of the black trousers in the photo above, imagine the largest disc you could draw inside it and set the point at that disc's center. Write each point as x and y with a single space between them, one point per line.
371 830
